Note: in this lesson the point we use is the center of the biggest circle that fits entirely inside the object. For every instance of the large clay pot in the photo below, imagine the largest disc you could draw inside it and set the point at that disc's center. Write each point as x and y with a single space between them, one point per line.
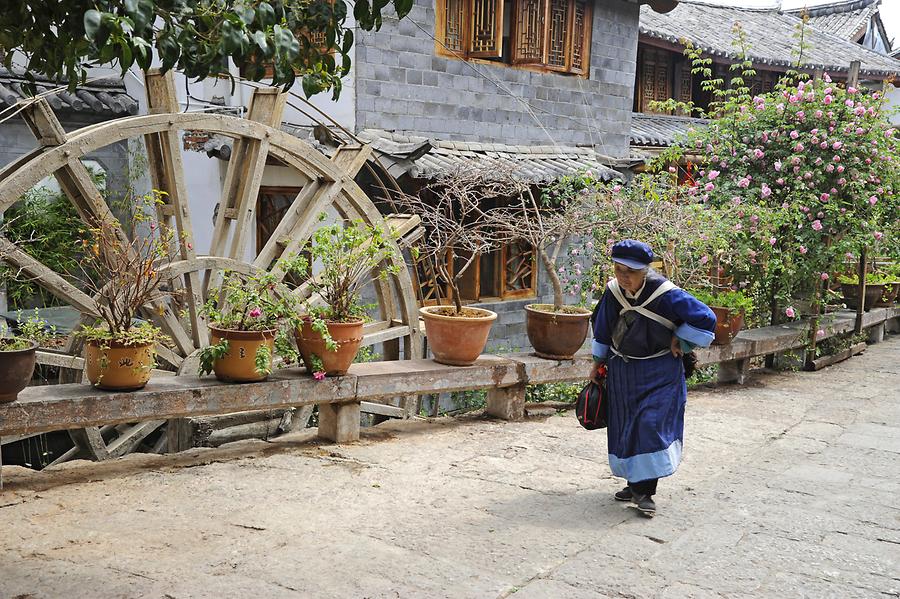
117 367
239 364
16 368
457 340
728 324
891 290
555 335
348 335
851 295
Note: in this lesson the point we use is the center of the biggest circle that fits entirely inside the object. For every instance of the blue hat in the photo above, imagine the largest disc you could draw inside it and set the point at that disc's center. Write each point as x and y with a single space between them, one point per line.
633 254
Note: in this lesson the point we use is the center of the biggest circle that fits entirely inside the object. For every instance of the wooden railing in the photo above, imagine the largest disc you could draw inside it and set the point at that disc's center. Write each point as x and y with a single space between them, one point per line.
75 406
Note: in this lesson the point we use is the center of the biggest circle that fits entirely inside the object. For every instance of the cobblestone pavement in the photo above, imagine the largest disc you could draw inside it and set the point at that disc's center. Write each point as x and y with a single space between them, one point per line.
789 489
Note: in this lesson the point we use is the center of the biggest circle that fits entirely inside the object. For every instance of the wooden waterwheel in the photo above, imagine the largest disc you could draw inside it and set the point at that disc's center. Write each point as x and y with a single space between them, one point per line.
329 187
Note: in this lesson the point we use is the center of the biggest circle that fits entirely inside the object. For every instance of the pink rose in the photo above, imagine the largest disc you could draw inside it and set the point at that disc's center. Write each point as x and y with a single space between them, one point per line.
777 165
851 90
319 376
803 249
878 235
827 100
837 145
255 313
794 134
873 200
848 102
817 225
818 114
713 175
772 241
790 312
824 276
765 191
744 182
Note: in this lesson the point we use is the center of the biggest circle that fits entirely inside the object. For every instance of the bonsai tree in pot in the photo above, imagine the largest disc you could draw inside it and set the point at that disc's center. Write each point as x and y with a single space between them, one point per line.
551 225
344 258
124 273
249 317
456 213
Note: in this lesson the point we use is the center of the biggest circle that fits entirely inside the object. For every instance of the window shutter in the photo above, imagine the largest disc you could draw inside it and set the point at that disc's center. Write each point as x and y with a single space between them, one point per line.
687 82
451 18
487 29
581 38
558 43
654 79
529 27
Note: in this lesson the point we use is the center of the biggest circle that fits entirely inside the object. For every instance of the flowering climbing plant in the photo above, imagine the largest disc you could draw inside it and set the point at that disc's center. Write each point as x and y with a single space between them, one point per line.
807 176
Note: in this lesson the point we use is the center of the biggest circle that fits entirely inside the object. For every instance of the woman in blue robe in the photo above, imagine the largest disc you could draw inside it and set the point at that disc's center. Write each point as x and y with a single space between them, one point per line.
642 327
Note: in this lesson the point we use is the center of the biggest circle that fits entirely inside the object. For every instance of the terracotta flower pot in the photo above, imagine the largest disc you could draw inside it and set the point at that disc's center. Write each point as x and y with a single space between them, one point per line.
348 335
239 364
118 367
729 323
889 295
457 340
851 295
16 368
555 335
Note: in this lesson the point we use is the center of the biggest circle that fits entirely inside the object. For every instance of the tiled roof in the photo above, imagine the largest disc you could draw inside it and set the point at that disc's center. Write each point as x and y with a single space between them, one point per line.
660 130
539 164
105 97
769 33
846 19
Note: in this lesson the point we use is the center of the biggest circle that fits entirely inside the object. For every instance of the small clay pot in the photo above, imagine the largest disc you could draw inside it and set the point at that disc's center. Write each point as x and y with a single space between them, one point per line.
555 335
347 335
851 295
117 367
16 368
457 340
728 324
239 364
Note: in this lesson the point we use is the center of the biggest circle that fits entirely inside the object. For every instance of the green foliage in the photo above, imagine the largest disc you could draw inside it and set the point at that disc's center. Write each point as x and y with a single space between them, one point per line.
872 278
209 354
305 38
838 343
143 333
48 227
258 302
32 329
366 354
737 301
263 360
557 392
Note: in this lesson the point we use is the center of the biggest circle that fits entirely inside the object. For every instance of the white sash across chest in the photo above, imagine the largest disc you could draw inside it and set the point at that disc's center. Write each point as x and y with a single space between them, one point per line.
642 309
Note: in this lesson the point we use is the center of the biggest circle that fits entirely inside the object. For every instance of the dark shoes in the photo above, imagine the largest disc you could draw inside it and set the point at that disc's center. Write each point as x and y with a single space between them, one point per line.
643 503
624 495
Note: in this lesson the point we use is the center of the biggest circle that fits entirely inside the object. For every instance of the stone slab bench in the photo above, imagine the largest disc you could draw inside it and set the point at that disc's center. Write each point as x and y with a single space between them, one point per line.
76 406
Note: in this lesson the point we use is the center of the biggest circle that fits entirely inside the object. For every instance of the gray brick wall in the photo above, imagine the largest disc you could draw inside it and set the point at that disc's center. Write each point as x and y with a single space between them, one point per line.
403 85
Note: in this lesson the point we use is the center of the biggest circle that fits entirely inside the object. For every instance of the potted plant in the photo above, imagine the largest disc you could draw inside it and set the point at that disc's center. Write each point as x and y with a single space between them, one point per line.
550 225
123 273
730 308
249 316
17 356
455 212
874 290
347 257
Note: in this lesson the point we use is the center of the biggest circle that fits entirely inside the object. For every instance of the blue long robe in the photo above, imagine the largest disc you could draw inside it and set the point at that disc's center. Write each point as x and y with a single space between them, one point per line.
646 398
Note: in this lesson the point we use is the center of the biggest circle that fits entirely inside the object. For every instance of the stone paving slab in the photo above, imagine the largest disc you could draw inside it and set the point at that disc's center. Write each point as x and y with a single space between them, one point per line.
788 489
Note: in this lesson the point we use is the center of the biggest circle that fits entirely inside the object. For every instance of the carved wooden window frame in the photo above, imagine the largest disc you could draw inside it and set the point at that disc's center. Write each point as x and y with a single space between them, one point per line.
456 22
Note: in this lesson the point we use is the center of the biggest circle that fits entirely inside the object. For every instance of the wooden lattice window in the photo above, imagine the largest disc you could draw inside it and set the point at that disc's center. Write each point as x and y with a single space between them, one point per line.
655 78
554 34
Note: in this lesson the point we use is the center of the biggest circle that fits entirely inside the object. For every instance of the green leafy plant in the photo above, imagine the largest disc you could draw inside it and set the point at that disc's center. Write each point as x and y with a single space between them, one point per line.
258 302
296 38
211 353
32 329
344 257
736 301
872 278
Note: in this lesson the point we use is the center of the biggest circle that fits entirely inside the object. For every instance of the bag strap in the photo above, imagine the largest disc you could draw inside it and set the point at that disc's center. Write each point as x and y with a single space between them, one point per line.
642 309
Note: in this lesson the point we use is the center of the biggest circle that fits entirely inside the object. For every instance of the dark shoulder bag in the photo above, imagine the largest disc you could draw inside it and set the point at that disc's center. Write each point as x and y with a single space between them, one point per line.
590 406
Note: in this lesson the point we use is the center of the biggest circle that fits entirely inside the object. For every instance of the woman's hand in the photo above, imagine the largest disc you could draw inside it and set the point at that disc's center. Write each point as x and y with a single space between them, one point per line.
676 347
598 371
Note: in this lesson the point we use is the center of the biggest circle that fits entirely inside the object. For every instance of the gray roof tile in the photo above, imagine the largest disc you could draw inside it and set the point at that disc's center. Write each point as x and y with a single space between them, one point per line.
769 32
105 97
847 19
660 130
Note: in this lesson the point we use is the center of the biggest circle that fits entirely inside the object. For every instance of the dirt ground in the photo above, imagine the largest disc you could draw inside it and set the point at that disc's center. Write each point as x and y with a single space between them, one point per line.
788 489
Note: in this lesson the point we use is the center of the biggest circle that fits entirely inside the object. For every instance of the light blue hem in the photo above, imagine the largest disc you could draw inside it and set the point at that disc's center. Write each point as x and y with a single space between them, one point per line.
647 465
699 337
599 350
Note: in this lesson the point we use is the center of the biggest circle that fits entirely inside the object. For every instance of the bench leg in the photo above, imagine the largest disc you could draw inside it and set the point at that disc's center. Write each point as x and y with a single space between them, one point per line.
506 403
876 334
339 423
733 372
893 325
